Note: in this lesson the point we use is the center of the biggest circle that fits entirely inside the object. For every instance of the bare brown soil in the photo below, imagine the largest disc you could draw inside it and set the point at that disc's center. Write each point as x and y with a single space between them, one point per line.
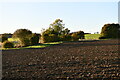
69 61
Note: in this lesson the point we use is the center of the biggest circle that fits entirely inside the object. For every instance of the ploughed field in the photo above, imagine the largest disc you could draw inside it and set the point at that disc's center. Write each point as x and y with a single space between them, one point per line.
83 59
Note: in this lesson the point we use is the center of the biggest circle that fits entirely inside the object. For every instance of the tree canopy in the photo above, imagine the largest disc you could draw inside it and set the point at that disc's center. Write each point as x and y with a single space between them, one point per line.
110 31
26 37
55 32
22 33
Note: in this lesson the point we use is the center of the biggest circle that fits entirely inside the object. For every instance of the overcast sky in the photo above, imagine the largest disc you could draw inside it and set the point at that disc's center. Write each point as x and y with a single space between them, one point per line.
86 16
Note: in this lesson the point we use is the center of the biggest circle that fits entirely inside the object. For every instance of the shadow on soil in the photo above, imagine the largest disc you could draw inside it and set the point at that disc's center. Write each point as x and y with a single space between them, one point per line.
73 44
87 43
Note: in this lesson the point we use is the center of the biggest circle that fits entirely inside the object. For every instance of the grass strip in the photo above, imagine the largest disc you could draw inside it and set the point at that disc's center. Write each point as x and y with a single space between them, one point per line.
34 46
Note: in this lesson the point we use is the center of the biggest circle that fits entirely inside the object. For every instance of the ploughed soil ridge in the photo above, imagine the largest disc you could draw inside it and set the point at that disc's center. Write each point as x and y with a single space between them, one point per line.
68 60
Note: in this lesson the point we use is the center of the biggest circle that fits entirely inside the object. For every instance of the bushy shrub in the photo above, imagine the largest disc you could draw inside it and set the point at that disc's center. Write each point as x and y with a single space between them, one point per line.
55 32
26 37
49 35
7 44
53 38
8 35
58 32
66 37
20 33
110 31
24 41
75 37
80 35
34 39
3 38
49 38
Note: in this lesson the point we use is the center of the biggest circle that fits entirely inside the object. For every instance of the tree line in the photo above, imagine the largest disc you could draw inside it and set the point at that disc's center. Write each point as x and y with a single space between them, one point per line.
57 32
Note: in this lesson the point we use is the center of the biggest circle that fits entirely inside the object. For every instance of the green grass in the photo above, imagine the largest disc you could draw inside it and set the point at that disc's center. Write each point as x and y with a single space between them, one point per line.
92 36
43 45
13 39
34 46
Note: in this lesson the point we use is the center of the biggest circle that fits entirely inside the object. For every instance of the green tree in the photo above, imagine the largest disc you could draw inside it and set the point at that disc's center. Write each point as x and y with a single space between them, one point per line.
49 35
66 37
24 36
7 44
34 39
80 34
3 38
25 42
55 32
22 33
77 35
57 26
110 31
65 31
